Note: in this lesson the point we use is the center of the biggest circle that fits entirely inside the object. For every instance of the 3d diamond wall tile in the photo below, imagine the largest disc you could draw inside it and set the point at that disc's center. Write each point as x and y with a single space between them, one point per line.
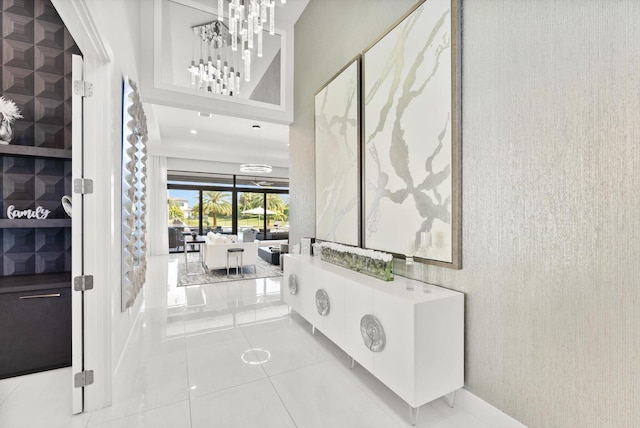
19 7
18 241
49 262
18 54
49 34
50 240
17 27
19 263
17 81
17 165
36 75
48 86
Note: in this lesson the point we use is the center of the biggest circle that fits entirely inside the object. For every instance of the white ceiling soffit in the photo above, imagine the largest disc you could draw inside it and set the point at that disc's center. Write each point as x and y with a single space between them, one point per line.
156 89
217 138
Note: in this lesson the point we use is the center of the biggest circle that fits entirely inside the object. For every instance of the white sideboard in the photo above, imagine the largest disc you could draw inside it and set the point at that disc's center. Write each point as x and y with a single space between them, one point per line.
423 358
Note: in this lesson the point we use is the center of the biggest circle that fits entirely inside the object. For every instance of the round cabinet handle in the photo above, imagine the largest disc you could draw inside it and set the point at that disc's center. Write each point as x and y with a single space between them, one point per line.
40 296
293 284
323 305
372 333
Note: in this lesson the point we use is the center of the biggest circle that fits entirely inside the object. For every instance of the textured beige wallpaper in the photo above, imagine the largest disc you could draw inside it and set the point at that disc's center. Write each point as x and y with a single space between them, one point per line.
551 195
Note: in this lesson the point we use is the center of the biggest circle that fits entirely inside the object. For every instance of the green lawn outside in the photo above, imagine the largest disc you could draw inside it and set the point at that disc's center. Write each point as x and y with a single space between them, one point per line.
222 221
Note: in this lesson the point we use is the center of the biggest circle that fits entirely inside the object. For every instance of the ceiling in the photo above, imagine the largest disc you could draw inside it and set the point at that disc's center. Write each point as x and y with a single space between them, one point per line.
226 138
219 138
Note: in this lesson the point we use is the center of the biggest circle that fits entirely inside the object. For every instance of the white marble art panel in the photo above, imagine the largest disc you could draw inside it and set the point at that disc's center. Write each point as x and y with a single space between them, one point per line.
337 154
408 136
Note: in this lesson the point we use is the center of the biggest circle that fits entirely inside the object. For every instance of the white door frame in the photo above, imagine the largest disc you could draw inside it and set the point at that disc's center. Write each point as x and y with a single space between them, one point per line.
77 267
98 231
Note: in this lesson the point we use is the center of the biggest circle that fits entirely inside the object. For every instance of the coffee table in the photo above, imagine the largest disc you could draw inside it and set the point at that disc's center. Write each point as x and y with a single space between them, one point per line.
270 255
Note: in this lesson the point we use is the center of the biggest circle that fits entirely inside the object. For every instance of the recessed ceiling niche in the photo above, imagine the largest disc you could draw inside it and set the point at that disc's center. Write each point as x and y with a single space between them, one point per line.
175 46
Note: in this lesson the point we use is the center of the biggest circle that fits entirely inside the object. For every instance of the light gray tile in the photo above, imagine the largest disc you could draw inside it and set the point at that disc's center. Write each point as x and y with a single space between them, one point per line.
171 416
321 396
254 404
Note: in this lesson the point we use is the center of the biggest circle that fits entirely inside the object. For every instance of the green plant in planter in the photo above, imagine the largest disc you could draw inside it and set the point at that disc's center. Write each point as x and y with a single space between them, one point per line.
369 262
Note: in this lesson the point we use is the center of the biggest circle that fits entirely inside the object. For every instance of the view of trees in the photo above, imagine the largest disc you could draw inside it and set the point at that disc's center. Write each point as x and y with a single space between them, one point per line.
217 207
275 204
214 204
175 212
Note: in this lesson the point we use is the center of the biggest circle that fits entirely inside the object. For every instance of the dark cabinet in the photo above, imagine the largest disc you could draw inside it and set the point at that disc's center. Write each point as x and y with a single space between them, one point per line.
35 323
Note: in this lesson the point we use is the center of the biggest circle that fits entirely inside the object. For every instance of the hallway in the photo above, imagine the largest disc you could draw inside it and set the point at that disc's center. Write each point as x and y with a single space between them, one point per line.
224 355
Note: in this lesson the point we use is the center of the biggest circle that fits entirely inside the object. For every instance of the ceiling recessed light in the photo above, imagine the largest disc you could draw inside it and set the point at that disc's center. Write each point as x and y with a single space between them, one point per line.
256 127
203 114
193 131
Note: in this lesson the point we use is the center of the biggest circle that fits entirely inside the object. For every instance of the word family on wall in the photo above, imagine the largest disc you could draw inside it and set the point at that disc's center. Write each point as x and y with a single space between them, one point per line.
39 213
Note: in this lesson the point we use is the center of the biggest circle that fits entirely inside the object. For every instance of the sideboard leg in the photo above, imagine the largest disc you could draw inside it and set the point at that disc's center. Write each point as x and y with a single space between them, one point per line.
451 399
353 362
413 415
313 329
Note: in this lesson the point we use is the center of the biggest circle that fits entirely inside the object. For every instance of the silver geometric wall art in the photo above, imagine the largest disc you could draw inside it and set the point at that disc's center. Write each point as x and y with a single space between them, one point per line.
323 305
337 137
134 206
411 137
293 284
372 333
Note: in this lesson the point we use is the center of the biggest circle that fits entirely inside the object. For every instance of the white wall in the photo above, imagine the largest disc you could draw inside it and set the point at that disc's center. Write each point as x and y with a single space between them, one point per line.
551 172
123 40
107 33
175 164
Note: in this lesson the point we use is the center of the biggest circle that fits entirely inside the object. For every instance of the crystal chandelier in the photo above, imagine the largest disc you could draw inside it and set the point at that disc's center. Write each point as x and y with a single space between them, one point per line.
230 46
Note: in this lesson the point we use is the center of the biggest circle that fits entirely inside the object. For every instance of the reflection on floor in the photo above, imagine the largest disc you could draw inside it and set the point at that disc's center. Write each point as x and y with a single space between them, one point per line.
223 355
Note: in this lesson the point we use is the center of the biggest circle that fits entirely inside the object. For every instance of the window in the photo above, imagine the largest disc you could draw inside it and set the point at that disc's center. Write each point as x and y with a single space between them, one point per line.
228 204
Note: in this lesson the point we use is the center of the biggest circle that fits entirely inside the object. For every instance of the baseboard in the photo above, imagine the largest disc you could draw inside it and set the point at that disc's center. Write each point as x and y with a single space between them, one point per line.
484 411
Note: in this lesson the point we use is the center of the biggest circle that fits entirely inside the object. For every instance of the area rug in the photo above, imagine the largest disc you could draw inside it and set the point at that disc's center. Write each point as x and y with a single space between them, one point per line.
262 269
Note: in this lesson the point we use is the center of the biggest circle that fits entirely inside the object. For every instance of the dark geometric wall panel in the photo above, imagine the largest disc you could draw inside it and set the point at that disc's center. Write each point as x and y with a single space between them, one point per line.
21 7
19 264
18 165
49 34
18 25
18 54
19 241
31 182
50 240
19 189
18 81
36 64
36 75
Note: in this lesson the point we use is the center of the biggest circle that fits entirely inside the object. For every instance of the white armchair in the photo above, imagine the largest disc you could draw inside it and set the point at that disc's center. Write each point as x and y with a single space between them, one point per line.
215 251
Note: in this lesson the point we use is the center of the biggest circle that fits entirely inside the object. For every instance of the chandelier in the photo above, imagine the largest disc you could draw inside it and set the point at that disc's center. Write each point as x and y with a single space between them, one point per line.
255 168
230 46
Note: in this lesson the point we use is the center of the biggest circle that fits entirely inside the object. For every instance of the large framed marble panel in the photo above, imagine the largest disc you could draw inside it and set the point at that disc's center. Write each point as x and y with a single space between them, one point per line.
411 137
337 132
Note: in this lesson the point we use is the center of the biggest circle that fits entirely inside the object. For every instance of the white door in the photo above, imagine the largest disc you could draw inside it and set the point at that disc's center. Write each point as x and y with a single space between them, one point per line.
77 238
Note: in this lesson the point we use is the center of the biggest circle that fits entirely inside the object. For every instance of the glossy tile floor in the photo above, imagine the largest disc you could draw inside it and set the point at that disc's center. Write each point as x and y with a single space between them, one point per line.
223 355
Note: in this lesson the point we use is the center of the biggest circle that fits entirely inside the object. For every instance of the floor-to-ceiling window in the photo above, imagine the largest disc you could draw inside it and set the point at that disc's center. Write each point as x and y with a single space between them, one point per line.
217 211
202 203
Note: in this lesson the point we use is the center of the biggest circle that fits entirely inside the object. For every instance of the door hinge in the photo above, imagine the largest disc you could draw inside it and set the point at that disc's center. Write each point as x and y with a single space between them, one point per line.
83 283
83 379
83 185
82 88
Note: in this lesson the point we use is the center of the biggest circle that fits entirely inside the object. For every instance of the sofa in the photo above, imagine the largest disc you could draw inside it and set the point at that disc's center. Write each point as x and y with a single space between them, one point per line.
215 251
